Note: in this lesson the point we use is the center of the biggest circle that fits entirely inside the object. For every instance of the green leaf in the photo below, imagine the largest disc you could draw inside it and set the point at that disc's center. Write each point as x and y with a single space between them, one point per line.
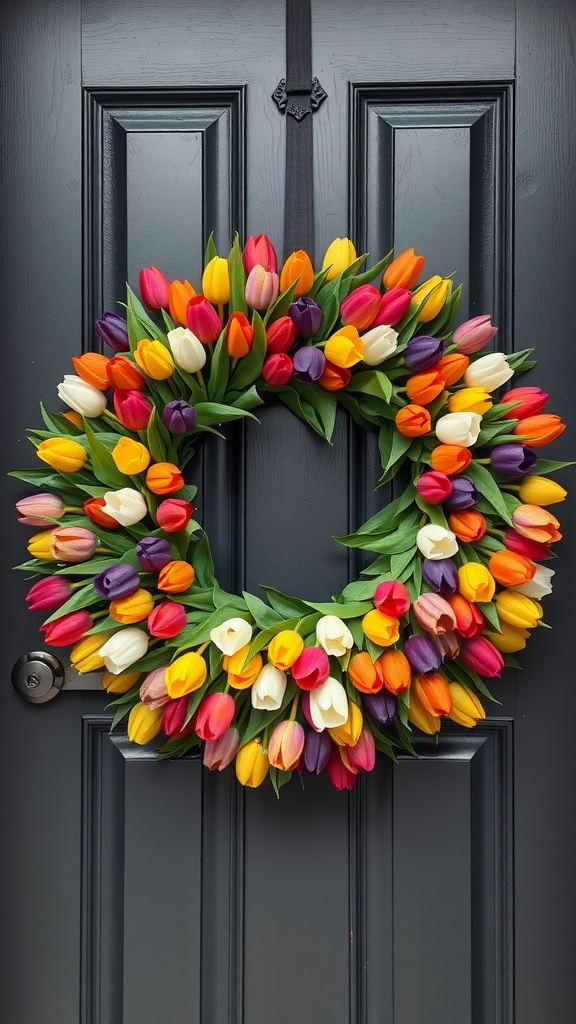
203 564
280 306
208 413
392 450
154 437
237 278
551 466
284 604
278 779
102 462
301 408
371 382
372 272
263 638
324 405
248 399
263 614
193 635
489 489
488 609
349 610
211 250
58 423
82 598
219 370
249 368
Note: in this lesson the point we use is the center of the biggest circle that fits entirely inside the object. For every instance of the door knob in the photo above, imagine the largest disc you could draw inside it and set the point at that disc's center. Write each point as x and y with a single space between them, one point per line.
37 677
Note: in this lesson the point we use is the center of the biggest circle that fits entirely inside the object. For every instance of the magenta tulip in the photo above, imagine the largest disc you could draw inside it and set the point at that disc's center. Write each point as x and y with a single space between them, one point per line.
203 320
340 776
311 669
214 716
132 408
154 288
174 717
360 308
434 487
532 401
48 594
66 630
480 655
393 307
166 620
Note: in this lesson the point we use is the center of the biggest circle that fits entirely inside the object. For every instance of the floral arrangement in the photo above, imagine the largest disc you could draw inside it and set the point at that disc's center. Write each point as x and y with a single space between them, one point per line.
284 684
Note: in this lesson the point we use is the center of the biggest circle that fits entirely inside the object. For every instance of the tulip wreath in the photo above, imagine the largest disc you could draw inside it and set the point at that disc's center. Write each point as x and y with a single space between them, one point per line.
286 684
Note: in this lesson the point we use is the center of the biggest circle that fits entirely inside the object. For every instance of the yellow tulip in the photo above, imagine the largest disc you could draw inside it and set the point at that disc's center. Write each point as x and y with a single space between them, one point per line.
285 648
120 683
133 608
154 359
39 546
470 400
62 454
216 281
540 490
382 629
347 735
84 655
339 255
435 291
475 582
517 609
466 707
421 718
241 676
251 764
130 457
510 640
144 724
186 674
345 348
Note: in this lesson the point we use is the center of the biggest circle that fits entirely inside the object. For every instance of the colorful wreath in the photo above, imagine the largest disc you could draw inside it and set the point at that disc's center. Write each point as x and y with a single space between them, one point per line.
286 684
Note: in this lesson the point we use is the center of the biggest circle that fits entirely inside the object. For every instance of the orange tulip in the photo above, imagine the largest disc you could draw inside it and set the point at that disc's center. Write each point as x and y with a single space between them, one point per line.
396 671
365 674
469 618
239 336
421 718
539 430
74 418
450 458
175 577
413 421
536 523
424 387
179 296
164 478
431 690
452 367
334 377
91 367
124 374
510 569
468 525
241 676
297 266
404 270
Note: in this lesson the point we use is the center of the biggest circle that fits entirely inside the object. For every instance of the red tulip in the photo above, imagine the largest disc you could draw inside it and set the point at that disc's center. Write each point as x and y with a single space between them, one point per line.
532 401
93 508
311 669
340 776
154 288
392 598
259 250
214 716
133 409
167 619
66 630
280 335
174 514
277 369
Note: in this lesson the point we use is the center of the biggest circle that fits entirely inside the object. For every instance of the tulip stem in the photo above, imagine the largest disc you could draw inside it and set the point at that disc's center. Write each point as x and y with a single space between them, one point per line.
202 648
482 462
496 533
234 365
510 487
74 508
99 615
294 707
103 551
200 379
221 311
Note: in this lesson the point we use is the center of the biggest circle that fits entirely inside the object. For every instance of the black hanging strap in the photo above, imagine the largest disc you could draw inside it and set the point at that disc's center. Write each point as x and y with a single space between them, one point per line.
299 95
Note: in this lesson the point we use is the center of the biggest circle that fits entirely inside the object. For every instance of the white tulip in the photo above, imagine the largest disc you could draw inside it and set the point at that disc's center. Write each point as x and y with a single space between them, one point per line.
81 397
379 344
127 506
268 689
231 635
436 542
188 351
334 636
123 649
539 586
328 705
488 372
460 428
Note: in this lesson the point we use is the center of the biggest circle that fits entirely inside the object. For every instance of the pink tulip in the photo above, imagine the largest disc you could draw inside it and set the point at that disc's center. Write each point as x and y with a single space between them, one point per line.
154 288
532 401
392 598
434 487
37 508
360 308
153 692
311 669
48 594
221 752
362 756
203 320
434 614
66 630
480 655
393 307
132 408
261 288
474 334
286 745
72 544
214 716
259 251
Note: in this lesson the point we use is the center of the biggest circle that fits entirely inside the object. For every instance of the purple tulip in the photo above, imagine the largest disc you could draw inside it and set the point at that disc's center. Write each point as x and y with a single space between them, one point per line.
113 330
306 316
441 574
179 416
153 553
316 752
309 363
512 459
119 580
463 495
422 352
422 654
380 706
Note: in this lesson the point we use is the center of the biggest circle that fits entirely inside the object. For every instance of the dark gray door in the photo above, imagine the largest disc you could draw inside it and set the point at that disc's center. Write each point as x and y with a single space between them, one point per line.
137 892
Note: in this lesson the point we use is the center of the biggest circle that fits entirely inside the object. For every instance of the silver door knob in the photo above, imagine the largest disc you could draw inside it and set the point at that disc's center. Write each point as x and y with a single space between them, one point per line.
37 677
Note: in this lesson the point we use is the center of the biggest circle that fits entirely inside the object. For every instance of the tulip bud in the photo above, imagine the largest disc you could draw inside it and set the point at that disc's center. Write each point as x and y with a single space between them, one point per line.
187 350
175 577
452 367
339 255
432 693
309 363
530 401
469 619
466 707
164 478
434 487
214 716
431 296
66 630
380 342
396 671
240 675
154 359
120 580
259 251
85 658
481 656
232 635
404 270
317 747
468 525
334 636
488 372
474 334
143 724
348 734
394 305
216 281
328 704
132 409
511 569
39 546
510 640
280 335
268 689
306 316
345 348
179 417
383 630
239 336
434 614
475 582
311 668
173 514
60 453
539 586
540 490
112 329
277 369
153 553
133 608
72 544
130 457
92 368
512 460
154 288
127 506
186 674
460 428
36 509
422 352
422 654
203 320
524 546
517 609
539 430
251 764
360 308
470 400
382 707
341 776
153 692
219 753
179 296
364 674
285 648
334 378
48 594
536 523
413 421
166 620
450 459
436 542
441 575
124 375
424 387
421 718
123 649
297 270
174 717
261 288
448 644
286 745
392 598
464 494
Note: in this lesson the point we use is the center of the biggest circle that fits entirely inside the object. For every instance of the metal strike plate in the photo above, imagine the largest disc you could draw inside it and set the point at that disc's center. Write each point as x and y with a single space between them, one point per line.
38 677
